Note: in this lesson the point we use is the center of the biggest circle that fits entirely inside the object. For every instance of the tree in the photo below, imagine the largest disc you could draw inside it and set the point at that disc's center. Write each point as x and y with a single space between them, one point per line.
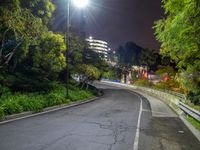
132 53
179 34
30 55
49 55
18 27
148 58
128 54
40 8
87 73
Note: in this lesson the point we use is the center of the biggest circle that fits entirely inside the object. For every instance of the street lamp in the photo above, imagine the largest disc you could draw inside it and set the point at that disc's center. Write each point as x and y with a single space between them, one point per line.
81 3
78 4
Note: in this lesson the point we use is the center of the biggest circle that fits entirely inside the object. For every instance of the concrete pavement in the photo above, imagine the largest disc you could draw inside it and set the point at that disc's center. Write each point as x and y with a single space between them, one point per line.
109 123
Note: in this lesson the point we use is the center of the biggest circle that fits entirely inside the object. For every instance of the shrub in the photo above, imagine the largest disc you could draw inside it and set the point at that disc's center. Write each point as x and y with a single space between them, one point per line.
20 102
4 91
23 100
79 95
36 104
194 98
166 69
55 99
170 84
162 85
31 102
31 85
1 113
142 82
11 107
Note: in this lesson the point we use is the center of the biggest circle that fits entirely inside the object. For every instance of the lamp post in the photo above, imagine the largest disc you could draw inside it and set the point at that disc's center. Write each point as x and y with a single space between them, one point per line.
79 4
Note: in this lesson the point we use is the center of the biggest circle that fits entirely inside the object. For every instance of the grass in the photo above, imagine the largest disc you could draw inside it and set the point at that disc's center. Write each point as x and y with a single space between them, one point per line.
13 103
194 122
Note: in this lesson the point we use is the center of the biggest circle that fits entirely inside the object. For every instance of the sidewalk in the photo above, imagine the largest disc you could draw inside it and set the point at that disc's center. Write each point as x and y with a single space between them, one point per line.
158 107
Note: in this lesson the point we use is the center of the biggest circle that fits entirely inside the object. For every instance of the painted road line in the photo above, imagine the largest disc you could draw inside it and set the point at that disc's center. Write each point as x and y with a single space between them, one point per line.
137 135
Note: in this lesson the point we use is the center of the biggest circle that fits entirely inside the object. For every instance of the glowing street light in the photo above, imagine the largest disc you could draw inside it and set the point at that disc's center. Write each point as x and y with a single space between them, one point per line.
79 4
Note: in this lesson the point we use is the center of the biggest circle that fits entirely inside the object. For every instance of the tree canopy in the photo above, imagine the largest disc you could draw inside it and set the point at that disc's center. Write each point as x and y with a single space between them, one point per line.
129 54
31 54
18 27
179 34
132 54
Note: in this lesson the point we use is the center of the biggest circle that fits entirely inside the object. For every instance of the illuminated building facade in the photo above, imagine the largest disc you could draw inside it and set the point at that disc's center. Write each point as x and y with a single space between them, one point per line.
99 46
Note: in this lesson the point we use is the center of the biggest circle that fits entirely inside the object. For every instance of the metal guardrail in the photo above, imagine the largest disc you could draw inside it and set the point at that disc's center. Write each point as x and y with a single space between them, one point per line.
190 111
181 98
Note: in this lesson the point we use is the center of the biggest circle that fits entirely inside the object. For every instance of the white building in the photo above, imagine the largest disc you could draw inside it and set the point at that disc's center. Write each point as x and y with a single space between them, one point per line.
98 46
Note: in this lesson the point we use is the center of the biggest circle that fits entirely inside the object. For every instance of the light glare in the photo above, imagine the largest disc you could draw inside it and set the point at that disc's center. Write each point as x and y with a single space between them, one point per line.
81 3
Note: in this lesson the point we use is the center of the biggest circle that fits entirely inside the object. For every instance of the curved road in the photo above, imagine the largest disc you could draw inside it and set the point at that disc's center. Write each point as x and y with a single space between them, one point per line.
114 121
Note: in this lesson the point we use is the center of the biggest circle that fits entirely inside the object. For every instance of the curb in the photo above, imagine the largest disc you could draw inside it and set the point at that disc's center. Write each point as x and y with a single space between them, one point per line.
190 126
47 110
181 115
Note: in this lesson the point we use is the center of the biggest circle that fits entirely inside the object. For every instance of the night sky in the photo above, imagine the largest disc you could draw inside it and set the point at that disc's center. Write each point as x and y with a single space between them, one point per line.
116 21
119 21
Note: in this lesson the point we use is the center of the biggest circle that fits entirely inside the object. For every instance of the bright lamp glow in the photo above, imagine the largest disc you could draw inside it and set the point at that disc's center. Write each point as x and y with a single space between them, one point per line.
80 3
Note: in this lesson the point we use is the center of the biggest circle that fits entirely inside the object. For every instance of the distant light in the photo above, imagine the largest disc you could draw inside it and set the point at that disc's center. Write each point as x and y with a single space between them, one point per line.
90 37
80 3
109 49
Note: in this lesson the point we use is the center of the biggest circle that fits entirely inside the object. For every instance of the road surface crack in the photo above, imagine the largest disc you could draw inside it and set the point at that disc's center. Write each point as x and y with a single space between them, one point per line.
116 130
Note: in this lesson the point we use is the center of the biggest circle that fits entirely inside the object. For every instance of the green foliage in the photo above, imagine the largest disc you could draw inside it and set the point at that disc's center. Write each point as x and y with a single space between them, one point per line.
19 28
3 90
49 55
11 103
40 8
88 72
161 85
25 82
194 97
148 57
170 84
32 57
79 95
21 22
11 106
1 113
110 75
194 122
179 34
27 103
143 82
161 70
55 99
189 103
90 57
113 73
56 96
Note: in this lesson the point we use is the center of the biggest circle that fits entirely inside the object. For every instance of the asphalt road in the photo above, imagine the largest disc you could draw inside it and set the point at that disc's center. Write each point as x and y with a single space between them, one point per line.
113 122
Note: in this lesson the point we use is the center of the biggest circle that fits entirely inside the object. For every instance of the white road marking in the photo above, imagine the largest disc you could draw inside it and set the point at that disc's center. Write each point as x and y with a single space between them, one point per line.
137 134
